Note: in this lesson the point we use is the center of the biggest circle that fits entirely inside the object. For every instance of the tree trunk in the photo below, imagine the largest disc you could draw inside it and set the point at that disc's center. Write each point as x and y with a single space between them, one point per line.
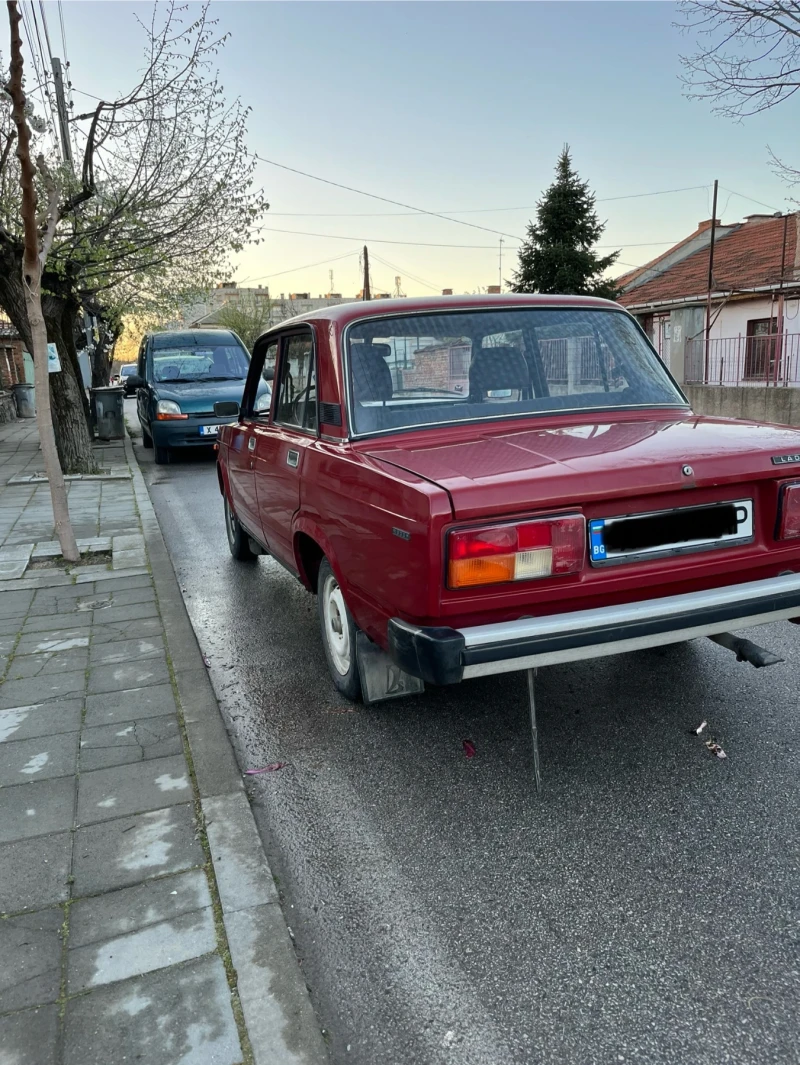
35 253
70 405
71 432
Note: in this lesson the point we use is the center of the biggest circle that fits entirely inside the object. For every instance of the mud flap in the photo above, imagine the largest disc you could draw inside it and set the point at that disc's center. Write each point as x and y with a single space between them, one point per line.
380 677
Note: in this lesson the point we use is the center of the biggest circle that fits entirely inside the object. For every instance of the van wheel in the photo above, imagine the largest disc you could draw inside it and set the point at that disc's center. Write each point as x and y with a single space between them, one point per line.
338 634
162 456
147 440
238 540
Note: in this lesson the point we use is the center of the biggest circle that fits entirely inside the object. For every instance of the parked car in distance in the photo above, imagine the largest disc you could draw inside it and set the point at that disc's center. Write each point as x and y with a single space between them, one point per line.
567 504
188 384
126 373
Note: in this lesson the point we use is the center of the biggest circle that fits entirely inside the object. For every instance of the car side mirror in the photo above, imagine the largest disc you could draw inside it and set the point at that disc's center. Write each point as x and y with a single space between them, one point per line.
135 381
269 374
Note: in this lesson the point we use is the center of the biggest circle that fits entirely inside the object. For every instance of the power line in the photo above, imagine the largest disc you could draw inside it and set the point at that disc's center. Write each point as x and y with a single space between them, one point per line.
44 27
308 266
384 199
372 240
63 31
752 200
471 210
406 273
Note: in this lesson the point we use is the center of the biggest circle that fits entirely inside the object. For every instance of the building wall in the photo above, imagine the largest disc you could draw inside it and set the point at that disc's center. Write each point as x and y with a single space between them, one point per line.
12 365
761 404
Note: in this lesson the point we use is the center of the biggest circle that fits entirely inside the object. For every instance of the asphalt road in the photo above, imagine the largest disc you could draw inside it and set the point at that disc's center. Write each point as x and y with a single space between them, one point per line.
643 909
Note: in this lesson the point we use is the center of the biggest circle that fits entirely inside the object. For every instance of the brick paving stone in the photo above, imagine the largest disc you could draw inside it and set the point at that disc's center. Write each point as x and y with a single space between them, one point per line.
126 630
140 673
40 689
156 946
46 663
116 913
128 789
30 947
130 741
29 1038
130 705
55 640
43 758
114 854
40 719
173 1015
131 612
127 651
34 873
37 809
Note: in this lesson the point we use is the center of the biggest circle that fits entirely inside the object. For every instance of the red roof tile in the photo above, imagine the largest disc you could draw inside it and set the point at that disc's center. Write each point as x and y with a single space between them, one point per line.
744 258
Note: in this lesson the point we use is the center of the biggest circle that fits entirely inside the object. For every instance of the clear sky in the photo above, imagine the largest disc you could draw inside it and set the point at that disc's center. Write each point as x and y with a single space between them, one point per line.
455 107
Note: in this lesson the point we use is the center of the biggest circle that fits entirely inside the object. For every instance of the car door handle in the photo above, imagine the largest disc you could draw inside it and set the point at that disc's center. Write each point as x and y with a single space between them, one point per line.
251 444
292 458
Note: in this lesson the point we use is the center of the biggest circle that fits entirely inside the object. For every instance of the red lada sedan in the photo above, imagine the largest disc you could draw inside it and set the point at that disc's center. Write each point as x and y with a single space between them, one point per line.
483 484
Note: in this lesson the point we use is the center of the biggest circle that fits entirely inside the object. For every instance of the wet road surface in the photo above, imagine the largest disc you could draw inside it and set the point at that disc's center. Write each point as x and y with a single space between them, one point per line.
643 909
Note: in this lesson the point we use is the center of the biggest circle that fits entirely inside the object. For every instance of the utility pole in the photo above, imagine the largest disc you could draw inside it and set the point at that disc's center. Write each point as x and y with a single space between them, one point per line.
61 103
500 267
366 295
330 277
710 277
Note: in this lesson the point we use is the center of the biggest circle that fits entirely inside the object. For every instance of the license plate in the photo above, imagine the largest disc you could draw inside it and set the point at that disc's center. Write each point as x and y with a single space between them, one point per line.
636 537
209 430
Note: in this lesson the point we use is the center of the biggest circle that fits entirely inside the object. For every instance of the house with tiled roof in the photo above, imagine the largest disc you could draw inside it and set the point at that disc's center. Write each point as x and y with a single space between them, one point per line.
13 370
742 328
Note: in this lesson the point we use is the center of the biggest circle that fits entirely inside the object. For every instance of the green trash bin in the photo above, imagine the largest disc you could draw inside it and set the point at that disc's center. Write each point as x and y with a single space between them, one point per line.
25 400
107 406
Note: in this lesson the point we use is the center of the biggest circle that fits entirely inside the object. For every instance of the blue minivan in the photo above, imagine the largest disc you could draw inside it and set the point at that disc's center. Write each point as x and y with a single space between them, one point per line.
189 383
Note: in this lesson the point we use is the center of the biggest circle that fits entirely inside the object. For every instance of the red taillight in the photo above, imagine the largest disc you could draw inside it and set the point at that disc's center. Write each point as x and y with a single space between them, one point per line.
546 547
789 521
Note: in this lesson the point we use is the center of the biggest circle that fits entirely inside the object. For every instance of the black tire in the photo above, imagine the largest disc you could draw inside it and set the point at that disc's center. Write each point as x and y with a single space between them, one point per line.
162 456
147 440
338 634
238 540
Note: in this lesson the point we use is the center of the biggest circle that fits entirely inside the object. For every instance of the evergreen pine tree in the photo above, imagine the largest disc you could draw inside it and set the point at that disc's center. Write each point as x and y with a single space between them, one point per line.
557 257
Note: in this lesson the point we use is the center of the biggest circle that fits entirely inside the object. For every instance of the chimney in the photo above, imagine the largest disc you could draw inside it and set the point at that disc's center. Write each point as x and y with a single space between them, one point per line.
755 219
493 290
447 292
703 226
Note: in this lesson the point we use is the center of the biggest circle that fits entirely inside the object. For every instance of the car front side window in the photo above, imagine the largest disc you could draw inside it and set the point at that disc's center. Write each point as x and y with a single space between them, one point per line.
297 387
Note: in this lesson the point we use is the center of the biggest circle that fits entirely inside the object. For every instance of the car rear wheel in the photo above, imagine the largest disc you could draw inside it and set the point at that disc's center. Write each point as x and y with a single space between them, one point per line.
238 540
338 634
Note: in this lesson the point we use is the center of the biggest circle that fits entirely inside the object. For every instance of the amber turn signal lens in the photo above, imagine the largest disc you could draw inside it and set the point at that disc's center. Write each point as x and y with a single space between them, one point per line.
467 572
789 522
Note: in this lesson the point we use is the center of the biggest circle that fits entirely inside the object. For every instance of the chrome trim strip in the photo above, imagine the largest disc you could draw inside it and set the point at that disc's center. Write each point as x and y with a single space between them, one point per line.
643 610
600 650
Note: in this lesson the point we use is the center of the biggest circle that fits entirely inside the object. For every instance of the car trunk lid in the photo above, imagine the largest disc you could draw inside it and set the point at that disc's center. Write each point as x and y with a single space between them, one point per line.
509 471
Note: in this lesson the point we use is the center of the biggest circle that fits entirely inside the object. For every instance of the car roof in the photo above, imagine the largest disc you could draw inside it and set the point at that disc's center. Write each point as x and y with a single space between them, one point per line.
342 314
192 338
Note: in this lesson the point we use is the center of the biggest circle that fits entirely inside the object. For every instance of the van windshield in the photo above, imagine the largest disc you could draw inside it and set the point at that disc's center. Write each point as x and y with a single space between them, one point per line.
225 362
464 366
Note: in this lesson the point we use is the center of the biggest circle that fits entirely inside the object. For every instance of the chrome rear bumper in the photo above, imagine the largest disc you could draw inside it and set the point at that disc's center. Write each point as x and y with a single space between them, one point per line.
445 656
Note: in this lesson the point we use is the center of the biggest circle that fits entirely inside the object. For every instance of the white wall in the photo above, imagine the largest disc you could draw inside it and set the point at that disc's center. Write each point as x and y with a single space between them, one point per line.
733 318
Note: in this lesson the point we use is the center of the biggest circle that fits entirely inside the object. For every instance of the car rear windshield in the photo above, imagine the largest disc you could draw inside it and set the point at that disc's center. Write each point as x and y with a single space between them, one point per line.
126 371
226 362
469 366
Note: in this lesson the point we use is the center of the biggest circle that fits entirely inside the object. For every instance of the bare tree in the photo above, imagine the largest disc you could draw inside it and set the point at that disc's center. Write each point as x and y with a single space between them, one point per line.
748 56
38 240
248 317
163 195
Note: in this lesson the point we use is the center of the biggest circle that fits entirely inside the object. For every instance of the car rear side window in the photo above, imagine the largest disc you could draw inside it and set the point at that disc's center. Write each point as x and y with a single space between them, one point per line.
297 387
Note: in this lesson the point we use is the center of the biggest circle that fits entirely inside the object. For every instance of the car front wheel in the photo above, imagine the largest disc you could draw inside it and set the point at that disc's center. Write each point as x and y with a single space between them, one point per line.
338 634
238 540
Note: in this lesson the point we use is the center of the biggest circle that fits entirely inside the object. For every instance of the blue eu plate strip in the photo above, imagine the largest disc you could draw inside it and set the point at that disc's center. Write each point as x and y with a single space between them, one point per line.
596 544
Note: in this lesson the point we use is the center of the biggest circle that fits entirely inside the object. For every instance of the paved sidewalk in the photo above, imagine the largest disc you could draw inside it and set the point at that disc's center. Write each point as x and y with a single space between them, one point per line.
138 917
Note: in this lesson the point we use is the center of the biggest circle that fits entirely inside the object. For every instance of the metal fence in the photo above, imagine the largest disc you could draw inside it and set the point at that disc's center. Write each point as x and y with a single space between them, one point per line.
771 359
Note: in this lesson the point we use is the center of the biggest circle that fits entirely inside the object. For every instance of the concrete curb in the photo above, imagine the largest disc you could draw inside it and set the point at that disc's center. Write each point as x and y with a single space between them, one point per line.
279 1017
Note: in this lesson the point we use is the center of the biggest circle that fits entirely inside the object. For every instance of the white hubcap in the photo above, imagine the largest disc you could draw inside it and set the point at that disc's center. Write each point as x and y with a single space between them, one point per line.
337 632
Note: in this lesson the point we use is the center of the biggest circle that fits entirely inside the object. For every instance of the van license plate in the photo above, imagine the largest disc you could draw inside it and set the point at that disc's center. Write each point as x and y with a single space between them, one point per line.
209 430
